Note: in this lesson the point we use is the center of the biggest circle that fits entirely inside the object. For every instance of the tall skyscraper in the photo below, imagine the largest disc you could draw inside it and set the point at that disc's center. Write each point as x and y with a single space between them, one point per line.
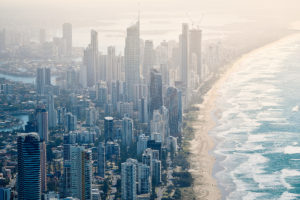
102 93
52 113
156 172
115 94
132 61
69 140
101 160
144 179
42 123
108 128
81 173
143 110
195 48
127 131
43 151
111 71
67 36
185 54
29 168
43 78
173 105
101 72
128 179
90 59
148 59
156 100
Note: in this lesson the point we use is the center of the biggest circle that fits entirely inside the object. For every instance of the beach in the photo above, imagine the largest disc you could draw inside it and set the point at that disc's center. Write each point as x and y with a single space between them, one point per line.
202 160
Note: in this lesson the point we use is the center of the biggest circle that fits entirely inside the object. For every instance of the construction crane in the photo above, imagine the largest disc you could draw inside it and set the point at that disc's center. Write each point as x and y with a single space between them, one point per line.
192 21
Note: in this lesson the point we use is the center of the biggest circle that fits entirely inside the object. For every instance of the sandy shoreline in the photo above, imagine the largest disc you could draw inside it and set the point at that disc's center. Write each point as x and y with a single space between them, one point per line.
201 160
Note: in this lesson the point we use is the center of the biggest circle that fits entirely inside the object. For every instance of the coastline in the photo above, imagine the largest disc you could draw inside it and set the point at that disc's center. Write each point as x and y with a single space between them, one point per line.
202 160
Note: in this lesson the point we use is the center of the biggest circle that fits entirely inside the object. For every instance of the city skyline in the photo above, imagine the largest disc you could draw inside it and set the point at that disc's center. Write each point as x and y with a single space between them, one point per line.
149 99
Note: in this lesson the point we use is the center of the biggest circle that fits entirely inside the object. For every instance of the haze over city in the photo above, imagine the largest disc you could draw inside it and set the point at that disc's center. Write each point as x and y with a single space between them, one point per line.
149 99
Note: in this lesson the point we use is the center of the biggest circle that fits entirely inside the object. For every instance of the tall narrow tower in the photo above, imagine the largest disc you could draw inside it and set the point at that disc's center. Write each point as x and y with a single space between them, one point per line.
67 36
29 168
132 61
185 54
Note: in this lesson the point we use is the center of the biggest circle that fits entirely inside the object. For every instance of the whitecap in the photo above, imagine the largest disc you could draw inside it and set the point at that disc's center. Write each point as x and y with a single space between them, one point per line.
295 108
291 150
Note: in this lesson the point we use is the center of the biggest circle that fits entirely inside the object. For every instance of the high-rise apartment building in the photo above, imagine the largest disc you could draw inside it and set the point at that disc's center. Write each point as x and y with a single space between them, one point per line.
101 160
185 54
148 59
132 61
108 128
127 131
42 123
81 173
128 179
156 99
67 36
29 167
195 49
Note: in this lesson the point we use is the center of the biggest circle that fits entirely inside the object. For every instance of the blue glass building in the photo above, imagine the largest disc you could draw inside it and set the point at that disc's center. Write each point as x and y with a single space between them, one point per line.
29 170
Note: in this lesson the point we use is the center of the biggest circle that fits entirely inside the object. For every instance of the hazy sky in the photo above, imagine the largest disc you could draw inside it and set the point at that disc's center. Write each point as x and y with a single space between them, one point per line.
40 10
159 17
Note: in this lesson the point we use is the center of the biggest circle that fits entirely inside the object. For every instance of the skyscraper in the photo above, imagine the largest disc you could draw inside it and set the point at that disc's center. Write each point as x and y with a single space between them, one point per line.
43 78
156 172
111 71
142 144
70 122
132 61
172 104
90 59
43 152
127 131
42 123
195 48
67 36
185 54
69 140
143 110
52 113
128 179
29 168
148 59
81 173
108 128
156 100
144 179
102 93
101 160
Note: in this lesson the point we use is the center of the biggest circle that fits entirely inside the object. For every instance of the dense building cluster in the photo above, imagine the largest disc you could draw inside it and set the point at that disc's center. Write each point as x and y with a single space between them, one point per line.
107 128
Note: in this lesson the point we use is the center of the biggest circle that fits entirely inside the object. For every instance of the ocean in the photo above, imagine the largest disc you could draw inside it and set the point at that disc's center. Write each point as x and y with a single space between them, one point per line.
257 132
